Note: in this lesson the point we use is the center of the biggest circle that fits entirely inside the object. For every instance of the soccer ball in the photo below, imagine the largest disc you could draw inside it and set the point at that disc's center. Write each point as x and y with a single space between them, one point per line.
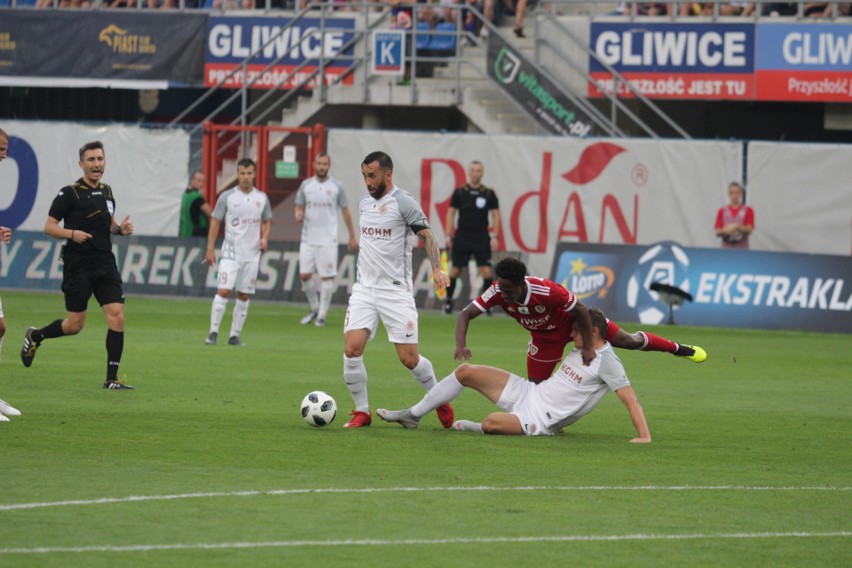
318 409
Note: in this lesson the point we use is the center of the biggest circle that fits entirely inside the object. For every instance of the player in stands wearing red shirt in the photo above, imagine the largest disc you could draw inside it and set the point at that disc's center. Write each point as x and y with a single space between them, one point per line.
547 310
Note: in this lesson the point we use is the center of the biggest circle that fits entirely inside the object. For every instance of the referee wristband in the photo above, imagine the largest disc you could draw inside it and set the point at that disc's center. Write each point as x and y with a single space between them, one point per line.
72 234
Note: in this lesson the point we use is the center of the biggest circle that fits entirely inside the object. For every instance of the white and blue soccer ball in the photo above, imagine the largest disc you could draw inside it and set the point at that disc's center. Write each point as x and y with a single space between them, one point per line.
667 263
318 409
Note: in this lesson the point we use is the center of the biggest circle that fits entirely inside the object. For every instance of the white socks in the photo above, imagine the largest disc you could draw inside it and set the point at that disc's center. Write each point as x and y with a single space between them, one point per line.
309 287
423 373
238 317
326 290
468 426
355 376
442 393
217 312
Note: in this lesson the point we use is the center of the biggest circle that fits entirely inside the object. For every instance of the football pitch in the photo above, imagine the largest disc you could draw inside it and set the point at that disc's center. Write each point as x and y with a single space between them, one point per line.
209 463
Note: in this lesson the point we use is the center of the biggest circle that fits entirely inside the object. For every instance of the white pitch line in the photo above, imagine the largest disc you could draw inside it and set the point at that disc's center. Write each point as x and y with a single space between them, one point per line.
254 493
419 542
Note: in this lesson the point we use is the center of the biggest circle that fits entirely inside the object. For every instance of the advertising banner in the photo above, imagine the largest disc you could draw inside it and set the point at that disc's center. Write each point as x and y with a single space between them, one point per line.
230 40
147 170
802 62
558 189
118 49
801 197
534 91
729 288
175 267
666 60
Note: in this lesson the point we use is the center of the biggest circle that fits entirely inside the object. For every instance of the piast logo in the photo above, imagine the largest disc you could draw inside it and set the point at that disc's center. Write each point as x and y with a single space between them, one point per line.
120 41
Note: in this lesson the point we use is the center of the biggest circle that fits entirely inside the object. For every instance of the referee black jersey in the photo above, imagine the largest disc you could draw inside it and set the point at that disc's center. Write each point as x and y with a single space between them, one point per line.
473 205
85 208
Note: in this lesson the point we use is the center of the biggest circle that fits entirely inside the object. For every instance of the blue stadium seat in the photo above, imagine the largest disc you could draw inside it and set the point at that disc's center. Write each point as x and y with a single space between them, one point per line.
444 42
423 35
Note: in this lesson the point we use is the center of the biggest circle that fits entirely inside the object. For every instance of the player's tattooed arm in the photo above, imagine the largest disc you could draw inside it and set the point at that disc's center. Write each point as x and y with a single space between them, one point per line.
434 253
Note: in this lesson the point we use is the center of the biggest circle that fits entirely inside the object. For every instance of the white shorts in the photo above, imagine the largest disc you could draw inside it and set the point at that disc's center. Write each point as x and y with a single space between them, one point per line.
395 308
1 308
516 400
236 275
321 259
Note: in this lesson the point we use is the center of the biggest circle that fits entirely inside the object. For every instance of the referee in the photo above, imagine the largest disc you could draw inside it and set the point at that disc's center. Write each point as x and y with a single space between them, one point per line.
472 238
87 209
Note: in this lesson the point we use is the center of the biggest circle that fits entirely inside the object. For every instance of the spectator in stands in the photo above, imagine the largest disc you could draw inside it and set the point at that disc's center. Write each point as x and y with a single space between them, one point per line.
516 8
401 16
781 9
708 9
232 5
824 9
472 23
648 9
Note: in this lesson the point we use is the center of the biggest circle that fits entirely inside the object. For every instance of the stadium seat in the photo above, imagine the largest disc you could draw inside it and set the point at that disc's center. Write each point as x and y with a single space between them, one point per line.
444 41
423 36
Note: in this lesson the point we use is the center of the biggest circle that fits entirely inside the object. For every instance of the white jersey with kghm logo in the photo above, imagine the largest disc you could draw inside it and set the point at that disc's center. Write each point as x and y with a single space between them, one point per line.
575 389
321 200
242 214
387 239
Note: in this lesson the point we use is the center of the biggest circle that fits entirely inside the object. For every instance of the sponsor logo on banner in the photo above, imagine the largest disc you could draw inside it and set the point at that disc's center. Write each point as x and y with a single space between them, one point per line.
674 61
588 276
287 43
804 62
121 41
730 289
534 91
103 49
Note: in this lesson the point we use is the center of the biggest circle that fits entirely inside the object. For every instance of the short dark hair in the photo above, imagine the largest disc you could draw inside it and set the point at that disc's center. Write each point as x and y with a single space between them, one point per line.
246 163
383 159
599 321
511 269
96 145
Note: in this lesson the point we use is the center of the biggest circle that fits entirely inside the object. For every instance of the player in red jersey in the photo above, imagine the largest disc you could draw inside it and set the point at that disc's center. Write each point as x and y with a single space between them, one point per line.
547 310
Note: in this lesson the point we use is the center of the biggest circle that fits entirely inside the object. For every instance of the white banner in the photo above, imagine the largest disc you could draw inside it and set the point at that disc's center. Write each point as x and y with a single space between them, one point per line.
802 197
147 170
554 189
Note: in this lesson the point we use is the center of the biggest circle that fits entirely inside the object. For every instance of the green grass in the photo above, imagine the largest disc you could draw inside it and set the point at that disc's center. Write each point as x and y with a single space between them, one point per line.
750 464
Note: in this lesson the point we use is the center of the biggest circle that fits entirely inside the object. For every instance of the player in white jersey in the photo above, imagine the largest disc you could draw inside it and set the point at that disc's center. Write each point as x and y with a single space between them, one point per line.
247 216
390 219
317 202
538 409
5 237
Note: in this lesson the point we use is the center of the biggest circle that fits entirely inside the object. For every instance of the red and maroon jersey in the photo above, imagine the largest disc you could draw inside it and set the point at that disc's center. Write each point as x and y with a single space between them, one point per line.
547 307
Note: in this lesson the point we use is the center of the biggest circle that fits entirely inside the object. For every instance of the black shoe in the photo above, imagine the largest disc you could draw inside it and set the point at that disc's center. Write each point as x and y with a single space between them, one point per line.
28 351
448 307
117 385
235 340
211 339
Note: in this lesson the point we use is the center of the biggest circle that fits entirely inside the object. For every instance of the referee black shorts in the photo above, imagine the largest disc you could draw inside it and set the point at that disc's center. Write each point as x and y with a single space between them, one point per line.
462 251
85 276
